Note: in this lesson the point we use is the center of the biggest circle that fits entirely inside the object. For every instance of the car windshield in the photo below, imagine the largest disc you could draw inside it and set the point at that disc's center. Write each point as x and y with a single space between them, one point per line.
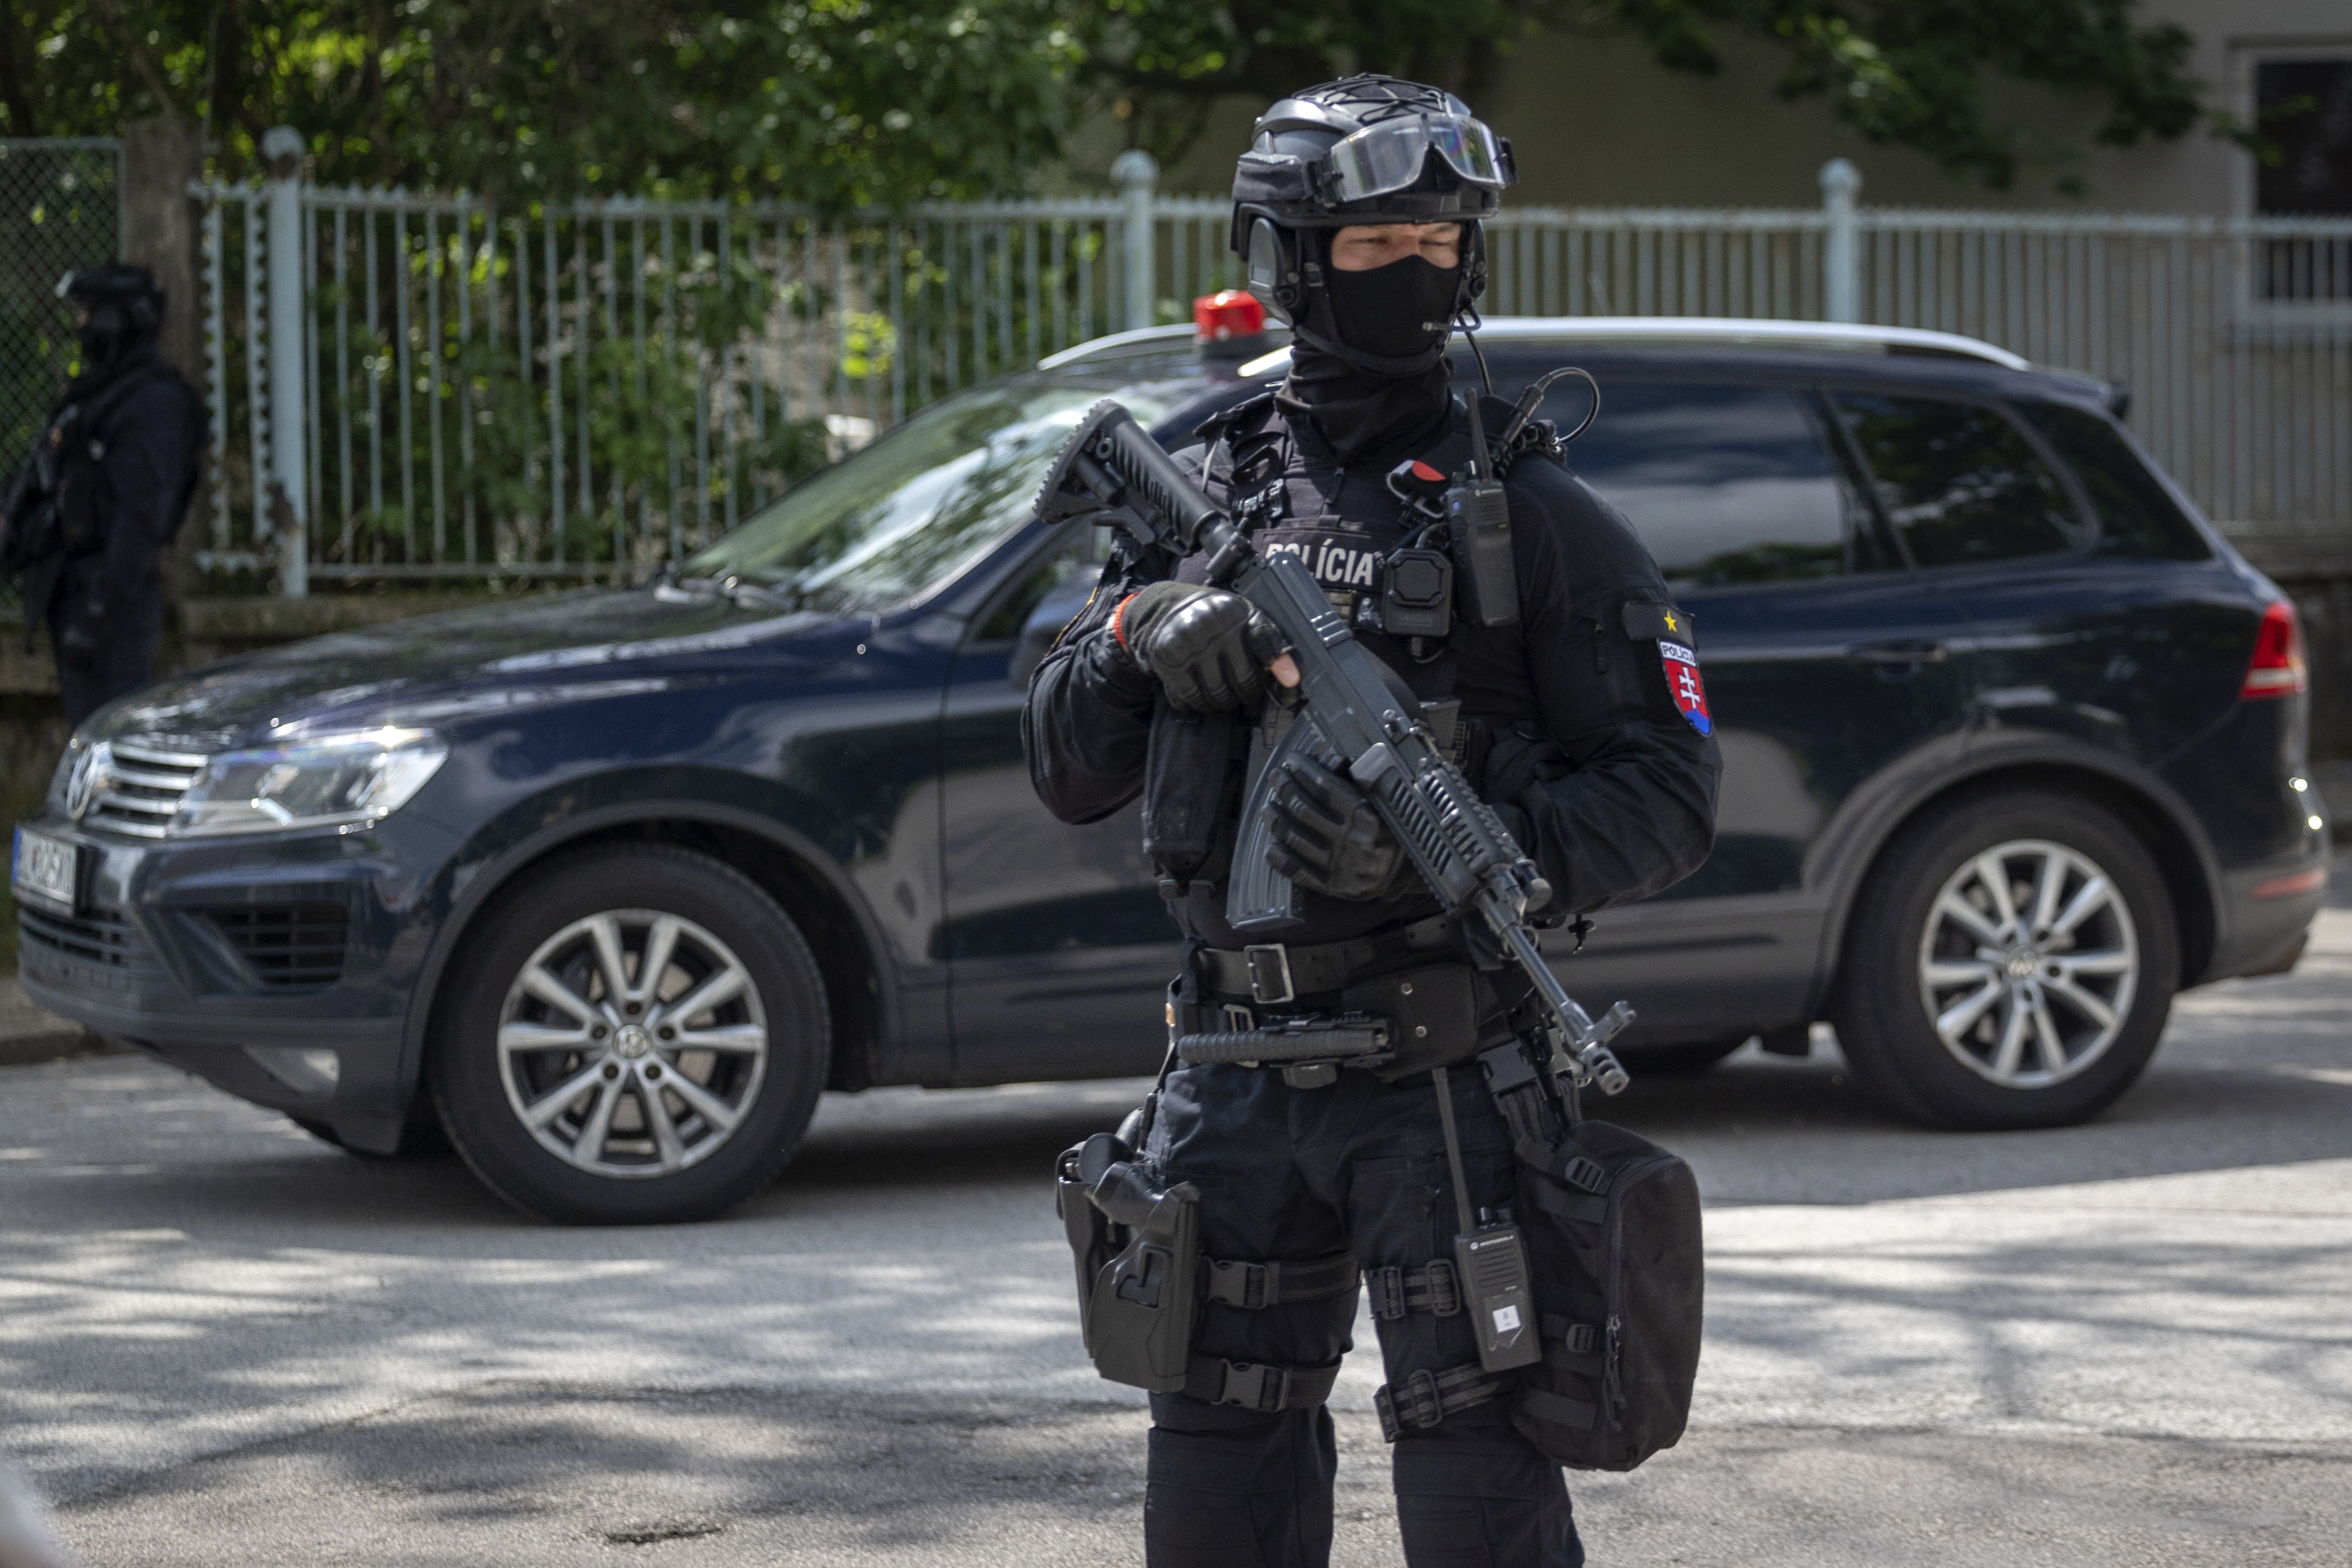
905 515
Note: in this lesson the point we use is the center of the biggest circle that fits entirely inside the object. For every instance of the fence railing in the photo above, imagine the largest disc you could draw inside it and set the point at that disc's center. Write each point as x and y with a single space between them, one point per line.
60 208
584 390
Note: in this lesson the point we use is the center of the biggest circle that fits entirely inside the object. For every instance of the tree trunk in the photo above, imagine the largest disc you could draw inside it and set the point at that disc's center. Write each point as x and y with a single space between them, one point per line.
161 155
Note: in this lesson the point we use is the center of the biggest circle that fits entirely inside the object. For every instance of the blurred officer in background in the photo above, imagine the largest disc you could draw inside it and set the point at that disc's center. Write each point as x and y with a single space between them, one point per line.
104 491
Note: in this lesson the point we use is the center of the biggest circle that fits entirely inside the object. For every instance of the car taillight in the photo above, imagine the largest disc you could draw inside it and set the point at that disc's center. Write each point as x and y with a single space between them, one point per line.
2276 669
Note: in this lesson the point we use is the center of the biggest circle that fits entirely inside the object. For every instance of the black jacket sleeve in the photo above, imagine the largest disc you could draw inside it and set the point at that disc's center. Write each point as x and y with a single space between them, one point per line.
151 468
1598 773
1088 722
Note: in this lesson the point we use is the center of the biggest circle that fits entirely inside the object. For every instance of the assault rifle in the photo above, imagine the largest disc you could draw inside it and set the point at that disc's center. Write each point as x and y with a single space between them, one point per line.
1111 470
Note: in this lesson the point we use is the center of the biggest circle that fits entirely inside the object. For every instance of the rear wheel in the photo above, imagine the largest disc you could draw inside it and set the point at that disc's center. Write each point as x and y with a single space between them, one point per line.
2010 963
641 1039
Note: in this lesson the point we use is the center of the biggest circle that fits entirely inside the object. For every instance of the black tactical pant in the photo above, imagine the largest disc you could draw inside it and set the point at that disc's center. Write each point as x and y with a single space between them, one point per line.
118 655
1303 1172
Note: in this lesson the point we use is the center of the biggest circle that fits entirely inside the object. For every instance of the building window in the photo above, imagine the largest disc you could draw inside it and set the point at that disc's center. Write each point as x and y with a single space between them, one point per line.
2302 103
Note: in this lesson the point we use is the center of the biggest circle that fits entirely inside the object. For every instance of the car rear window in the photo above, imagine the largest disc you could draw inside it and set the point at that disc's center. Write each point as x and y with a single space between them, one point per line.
2138 516
1956 480
1727 485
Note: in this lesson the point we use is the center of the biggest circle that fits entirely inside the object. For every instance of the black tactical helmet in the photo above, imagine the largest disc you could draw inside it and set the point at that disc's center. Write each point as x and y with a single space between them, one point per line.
124 305
1363 150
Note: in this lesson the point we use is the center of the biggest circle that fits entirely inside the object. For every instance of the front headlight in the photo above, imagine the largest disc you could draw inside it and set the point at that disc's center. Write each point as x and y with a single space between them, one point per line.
75 750
331 781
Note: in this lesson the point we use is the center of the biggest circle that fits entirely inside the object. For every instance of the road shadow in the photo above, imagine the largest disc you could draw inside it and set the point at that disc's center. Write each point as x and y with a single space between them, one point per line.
538 1474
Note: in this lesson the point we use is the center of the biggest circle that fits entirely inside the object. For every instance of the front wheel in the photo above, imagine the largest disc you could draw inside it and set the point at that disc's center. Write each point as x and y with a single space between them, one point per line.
2010 963
641 1039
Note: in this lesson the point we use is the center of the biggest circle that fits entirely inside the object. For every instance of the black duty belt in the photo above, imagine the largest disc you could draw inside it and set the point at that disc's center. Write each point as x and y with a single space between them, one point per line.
1271 974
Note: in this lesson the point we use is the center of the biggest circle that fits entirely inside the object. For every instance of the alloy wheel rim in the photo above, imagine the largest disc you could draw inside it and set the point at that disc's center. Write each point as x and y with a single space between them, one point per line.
632 1044
2028 963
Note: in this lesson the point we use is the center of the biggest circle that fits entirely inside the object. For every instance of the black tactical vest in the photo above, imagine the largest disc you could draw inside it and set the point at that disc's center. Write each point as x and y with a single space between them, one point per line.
1343 524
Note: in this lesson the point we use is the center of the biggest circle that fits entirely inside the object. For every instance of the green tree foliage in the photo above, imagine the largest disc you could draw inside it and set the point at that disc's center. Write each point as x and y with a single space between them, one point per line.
844 102
840 103
1908 73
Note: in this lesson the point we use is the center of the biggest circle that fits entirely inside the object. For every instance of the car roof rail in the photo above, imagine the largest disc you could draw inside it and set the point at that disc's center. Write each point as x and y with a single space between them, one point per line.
1675 331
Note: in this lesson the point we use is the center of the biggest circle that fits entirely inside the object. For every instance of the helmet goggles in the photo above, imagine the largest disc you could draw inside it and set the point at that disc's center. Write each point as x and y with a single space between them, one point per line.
1390 156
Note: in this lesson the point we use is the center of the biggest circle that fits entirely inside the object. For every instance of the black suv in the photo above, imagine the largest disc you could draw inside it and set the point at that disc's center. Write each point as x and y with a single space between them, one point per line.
613 883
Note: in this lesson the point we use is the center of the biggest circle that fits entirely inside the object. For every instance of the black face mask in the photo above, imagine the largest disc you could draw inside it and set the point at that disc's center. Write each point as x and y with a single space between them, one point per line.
1395 311
1379 313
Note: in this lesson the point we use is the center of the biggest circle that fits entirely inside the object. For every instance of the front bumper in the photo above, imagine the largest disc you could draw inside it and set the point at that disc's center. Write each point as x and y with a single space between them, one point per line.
281 968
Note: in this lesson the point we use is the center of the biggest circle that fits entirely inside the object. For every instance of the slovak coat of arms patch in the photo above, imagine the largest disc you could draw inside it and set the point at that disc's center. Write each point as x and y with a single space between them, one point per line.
1682 680
1675 635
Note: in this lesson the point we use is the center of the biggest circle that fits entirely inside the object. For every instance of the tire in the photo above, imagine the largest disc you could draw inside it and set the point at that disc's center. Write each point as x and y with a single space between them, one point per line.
664 1115
1950 1017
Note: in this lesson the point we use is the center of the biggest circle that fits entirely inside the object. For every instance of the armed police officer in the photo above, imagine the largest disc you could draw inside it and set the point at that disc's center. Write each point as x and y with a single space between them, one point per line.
1357 210
104 491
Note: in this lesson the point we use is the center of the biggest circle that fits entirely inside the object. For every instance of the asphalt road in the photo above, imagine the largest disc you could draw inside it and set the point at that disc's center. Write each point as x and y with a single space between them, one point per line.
222 1342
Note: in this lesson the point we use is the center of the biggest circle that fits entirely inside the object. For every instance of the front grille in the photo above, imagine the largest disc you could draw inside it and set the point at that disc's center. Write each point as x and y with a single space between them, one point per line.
142 789
290 944
106 940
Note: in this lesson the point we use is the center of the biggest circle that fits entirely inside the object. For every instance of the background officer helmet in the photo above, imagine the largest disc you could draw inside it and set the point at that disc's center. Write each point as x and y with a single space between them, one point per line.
124 304
1363 150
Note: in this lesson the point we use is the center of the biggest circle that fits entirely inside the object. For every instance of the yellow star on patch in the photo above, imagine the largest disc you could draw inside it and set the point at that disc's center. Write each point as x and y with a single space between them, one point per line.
1670 621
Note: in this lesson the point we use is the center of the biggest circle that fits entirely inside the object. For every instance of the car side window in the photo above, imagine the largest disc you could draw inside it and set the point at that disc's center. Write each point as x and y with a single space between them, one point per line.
1726 484
1048 596
2138 516
1958 481
1070 567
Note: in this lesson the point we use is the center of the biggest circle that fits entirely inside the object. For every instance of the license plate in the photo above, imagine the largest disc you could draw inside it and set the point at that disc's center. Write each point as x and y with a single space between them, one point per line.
43 869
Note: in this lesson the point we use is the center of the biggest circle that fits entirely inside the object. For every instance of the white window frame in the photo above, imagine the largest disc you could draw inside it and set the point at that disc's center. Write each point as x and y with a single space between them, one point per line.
2245 54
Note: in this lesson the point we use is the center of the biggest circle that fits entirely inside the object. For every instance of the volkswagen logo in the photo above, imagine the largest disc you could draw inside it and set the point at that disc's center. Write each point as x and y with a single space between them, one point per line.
92 775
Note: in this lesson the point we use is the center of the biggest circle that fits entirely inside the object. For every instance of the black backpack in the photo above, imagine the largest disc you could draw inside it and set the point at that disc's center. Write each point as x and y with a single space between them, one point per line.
1611 1223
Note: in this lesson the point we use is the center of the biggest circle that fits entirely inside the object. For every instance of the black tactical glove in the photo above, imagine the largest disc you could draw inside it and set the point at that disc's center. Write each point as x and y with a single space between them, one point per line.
79 638
1328 838
1208 647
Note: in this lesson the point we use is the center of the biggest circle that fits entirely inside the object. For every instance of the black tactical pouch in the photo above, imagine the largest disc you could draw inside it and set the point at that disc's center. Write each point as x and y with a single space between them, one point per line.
1138 1251
1613 1230
1191 764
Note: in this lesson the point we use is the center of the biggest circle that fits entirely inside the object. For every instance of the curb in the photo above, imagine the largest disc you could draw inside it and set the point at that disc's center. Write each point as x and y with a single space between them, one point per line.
38 1046
29 1034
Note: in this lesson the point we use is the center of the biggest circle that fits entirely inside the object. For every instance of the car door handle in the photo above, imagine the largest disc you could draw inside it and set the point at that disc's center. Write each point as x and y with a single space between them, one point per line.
1899 653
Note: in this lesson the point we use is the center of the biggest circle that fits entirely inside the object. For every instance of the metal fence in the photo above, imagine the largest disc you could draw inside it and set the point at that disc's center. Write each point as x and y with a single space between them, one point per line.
584 390
60 208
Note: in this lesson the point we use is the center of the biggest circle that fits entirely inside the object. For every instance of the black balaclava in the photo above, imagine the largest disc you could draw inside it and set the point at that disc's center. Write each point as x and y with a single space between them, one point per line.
124 310
1396 311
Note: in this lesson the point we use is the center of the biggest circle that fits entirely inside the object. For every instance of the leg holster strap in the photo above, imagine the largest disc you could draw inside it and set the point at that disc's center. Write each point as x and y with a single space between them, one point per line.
1272 1284
1427 1398
1434 1289
1254 1385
